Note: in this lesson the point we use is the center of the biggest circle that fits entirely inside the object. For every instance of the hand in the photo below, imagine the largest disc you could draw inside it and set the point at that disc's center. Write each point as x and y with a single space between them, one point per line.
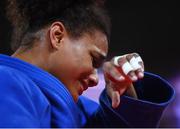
119 74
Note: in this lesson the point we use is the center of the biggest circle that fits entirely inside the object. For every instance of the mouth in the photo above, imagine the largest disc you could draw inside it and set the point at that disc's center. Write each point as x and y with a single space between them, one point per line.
83 87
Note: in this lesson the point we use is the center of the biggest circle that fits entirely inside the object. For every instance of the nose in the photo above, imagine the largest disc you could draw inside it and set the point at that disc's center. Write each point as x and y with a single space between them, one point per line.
93 79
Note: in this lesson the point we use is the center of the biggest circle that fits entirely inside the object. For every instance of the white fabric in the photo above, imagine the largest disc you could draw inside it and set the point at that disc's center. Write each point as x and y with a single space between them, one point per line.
127 68
139 59
116 60
134 63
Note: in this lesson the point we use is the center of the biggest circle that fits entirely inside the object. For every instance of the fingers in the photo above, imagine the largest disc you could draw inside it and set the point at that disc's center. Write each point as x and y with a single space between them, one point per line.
119 73
115 99
136 61
115 96
115 92
112 73
131 91
137 64
131 65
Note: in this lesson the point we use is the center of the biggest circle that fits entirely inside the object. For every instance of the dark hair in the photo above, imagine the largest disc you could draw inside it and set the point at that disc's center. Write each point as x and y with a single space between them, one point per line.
78 16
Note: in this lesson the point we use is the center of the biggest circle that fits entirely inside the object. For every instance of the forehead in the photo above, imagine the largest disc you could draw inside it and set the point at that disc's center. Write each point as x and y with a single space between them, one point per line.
98 42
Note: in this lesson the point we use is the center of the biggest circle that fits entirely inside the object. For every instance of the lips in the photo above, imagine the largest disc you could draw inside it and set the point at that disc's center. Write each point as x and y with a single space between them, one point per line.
80 91
83 86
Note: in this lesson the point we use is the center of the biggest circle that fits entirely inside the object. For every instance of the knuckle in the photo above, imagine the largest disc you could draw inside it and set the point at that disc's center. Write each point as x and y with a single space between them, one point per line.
106 65
118 61
135 54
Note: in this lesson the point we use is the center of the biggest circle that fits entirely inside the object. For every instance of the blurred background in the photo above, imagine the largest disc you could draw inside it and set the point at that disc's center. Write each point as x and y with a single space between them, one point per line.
149 28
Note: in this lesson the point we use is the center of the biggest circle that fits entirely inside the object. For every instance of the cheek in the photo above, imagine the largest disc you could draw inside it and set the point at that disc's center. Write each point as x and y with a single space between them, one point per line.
76 66
81 63
83 67
76 61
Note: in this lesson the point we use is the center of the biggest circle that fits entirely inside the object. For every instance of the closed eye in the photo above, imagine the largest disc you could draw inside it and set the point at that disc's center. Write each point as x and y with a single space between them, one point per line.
97 58
95 63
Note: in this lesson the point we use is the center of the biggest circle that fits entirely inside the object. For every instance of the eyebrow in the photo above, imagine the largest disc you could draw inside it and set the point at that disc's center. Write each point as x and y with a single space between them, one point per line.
101 54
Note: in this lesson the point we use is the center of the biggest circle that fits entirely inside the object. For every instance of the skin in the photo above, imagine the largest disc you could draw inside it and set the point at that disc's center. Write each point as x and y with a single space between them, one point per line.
74 61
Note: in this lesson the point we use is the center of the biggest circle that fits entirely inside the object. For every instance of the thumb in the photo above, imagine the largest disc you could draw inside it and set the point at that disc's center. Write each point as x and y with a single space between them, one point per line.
115 99
114 95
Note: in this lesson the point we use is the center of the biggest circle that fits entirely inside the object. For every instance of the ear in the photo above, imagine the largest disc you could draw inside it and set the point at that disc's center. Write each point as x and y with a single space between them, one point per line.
56 33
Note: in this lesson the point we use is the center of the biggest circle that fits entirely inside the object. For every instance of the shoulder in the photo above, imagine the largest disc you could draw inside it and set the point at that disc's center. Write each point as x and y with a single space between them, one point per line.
16 85
19 96
10 77
13 81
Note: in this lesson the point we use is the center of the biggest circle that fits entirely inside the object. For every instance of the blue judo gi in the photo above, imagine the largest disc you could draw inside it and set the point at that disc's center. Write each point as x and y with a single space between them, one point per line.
31 97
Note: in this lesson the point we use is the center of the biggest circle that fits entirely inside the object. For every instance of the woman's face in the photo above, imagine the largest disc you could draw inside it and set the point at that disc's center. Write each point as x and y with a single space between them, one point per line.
76 62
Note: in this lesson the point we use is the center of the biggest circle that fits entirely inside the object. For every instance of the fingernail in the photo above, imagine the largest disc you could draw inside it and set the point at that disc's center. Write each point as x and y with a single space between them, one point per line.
121 78
141 75
134 78
115 100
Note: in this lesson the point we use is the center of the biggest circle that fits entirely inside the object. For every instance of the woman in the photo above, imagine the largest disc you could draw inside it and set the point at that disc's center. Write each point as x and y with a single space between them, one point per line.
59 45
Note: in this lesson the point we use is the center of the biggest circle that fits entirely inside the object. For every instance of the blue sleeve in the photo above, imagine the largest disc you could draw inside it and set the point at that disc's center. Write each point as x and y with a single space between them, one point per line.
154 95
17 107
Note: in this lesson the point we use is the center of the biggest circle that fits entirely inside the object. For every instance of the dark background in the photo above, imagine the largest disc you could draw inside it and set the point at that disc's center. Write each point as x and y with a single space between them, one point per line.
150 28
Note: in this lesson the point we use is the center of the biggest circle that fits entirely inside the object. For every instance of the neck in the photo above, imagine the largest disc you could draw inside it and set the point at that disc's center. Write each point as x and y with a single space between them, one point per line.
33 56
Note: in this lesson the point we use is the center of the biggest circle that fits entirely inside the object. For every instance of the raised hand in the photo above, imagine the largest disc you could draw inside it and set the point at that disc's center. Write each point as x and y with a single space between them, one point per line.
119 74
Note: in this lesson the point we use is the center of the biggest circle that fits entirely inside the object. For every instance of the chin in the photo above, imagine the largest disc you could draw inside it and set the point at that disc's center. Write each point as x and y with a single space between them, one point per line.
75 98
76 93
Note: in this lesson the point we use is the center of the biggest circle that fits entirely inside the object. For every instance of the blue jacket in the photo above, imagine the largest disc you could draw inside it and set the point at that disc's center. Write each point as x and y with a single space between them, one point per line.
31 97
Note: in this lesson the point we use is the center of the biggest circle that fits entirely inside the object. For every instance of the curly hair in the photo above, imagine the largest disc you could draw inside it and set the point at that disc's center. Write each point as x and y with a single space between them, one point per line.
78 16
